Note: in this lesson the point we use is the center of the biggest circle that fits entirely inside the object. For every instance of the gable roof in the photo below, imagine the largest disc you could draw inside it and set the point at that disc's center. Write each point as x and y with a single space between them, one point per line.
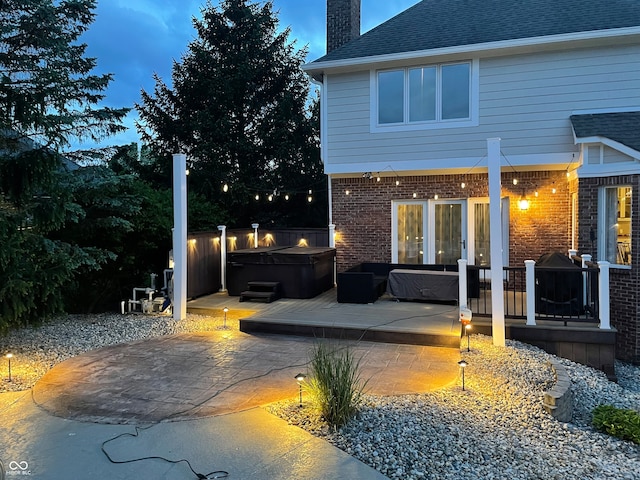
621 127
433 24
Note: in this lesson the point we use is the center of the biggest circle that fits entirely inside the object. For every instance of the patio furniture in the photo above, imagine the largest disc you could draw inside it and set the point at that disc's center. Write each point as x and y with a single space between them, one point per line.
428 285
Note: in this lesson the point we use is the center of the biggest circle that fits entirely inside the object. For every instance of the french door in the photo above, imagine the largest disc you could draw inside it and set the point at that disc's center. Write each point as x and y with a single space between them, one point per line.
448 235
443 231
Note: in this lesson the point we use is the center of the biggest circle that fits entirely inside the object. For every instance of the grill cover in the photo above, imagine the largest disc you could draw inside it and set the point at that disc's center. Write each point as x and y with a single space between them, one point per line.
558 291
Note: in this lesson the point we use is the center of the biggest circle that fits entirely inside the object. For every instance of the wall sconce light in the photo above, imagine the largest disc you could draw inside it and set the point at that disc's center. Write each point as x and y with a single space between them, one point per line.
463 364
224 324
523 204
9 357
300 378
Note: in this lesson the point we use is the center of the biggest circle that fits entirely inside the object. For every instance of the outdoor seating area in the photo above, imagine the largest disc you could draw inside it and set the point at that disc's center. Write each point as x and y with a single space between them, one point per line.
366 282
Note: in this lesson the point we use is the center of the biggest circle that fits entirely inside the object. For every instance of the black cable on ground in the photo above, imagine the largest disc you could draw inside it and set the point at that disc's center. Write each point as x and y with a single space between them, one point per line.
212 475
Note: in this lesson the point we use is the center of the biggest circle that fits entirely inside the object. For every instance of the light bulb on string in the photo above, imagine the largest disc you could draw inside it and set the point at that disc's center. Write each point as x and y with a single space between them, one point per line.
225 188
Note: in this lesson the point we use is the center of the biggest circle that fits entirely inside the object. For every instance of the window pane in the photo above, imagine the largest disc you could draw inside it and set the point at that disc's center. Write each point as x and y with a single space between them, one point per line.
448 233
422 94
455 91
617 225
391 97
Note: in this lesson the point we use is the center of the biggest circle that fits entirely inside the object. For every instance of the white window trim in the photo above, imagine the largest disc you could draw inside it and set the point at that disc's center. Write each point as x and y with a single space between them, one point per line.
600 242
474 103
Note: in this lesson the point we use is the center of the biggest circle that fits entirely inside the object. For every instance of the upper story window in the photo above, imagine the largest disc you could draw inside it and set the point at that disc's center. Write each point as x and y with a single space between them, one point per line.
434 94
614 215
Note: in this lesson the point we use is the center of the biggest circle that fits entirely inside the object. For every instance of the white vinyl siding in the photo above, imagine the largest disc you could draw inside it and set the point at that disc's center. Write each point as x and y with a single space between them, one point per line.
525 100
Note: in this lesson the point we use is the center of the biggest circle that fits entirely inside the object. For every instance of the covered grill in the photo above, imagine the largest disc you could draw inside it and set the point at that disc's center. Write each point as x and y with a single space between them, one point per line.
558 286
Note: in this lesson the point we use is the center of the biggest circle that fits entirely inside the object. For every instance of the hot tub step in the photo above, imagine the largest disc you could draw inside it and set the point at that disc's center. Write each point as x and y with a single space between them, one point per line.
268 291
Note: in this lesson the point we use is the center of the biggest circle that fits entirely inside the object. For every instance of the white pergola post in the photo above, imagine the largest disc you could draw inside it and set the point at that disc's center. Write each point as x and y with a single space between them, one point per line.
495 237
603 295
223 257
530 291
179 236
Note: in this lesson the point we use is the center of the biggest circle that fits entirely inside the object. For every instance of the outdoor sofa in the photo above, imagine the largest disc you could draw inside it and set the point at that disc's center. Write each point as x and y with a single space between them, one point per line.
366 282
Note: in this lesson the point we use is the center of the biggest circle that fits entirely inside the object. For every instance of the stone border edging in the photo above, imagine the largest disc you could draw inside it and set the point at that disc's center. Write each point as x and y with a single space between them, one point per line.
558 402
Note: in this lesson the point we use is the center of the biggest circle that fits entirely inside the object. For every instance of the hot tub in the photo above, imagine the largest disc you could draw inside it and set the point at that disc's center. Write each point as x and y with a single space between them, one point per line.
303 272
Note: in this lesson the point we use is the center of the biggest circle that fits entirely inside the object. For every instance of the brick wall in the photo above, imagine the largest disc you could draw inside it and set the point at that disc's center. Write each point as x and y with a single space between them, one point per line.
343 22
624 283
363 217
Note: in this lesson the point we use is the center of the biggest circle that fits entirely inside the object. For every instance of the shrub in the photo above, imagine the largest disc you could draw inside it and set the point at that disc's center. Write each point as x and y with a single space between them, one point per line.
621 423
335 384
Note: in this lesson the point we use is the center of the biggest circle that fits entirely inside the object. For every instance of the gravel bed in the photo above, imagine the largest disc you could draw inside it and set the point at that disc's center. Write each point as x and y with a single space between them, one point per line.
495 429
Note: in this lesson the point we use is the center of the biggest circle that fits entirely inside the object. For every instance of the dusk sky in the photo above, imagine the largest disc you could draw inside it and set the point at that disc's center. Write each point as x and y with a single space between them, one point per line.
135 38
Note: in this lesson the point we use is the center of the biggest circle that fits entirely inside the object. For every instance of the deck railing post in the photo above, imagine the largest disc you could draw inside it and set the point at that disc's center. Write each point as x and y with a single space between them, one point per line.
603 295
462 283
530 291
586 258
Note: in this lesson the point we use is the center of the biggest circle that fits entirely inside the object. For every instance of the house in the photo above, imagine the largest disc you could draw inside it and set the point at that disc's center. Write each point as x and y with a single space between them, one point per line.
407 109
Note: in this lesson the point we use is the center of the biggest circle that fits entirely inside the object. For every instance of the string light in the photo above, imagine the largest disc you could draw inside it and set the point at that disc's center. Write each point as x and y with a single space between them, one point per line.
378 178
286 197
397 182
463 185
225 188
415 195
270 197
435 197
257 197
515 181
347 192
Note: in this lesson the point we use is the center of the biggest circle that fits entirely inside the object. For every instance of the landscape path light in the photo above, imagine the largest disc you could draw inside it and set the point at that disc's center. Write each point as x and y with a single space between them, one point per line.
467 327
463 364
224 322
9 357
300 378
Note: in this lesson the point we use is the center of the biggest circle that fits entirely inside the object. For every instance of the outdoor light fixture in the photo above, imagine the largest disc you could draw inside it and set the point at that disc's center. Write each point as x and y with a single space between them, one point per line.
397 182
378 178
467 327
224 324
523 203
435 197
257 197
515 181
415 195
347 192
9 357
300 378
225 188
255 234
286 197
463 364
463 185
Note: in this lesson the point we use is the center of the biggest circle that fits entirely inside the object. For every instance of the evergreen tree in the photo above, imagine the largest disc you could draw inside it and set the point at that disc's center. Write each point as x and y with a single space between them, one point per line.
47 96
238 107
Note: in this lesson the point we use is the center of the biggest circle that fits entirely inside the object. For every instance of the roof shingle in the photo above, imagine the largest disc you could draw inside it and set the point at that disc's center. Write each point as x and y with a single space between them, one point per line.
432 24
622 127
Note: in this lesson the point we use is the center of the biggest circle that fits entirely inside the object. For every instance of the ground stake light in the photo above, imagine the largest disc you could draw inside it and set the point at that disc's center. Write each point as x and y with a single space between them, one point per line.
224 322
300 378
467 327
463 364
9 357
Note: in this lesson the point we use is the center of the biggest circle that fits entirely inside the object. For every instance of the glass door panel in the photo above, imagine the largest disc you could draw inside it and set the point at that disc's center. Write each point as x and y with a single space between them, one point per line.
450 239
481 250
410 233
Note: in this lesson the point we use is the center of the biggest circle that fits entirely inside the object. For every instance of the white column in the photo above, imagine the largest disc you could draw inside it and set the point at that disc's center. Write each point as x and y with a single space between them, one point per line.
603 295
255 234
495 237
223 257
462 283
530 291
179 236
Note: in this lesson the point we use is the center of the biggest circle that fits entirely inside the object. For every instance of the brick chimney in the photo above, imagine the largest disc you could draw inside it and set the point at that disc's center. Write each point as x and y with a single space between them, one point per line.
343 22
